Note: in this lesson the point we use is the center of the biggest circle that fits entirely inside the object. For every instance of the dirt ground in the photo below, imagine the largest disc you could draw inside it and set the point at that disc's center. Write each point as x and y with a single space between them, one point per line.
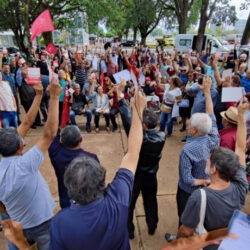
110 149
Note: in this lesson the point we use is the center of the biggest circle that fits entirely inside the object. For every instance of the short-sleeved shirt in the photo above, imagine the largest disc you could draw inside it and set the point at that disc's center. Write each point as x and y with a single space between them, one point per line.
228 137
220 205
101 224
6 98
24 191
210 72
60 157
174 92
245 82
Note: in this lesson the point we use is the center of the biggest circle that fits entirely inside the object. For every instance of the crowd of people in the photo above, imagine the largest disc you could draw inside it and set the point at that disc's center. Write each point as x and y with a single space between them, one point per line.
214 163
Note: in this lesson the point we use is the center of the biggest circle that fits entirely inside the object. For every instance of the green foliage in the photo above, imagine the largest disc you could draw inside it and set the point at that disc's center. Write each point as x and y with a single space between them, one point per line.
194 13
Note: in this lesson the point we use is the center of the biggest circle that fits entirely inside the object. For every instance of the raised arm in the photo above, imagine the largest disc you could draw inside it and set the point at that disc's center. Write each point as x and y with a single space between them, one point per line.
216 74
205 87
32 113
131 158
203 65
51 125
175 68
240 147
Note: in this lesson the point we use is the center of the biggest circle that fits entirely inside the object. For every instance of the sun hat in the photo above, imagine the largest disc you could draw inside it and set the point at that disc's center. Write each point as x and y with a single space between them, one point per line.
231 115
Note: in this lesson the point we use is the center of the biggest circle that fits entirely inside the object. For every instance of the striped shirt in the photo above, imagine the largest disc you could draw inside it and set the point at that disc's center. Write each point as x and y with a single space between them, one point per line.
193 157
81 75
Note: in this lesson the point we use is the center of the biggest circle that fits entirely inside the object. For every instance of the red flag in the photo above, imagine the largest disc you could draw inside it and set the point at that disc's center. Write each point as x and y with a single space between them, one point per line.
51 49
102 79
43 23
65 113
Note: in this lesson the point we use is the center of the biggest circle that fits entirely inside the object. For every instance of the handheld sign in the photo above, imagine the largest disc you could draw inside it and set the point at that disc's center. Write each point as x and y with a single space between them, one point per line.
122 74
239 225
33 75
232 94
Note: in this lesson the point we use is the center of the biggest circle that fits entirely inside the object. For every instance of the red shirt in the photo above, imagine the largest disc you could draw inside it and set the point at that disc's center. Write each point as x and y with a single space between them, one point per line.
228 138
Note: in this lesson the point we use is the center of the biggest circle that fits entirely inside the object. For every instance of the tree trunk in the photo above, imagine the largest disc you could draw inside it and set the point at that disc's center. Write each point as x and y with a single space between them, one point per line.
47 38
135 34
20 42
126 34
143 38
182 21
246 33
202 25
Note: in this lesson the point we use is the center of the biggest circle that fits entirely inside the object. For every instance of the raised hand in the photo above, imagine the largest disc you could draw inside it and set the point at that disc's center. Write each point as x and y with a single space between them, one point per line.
38 88
54 89
243 105
206 85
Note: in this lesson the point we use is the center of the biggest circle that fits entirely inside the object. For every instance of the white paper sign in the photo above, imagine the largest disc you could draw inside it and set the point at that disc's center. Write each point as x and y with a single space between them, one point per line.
232 94
240 226
122 74
175 111
226 73
134 80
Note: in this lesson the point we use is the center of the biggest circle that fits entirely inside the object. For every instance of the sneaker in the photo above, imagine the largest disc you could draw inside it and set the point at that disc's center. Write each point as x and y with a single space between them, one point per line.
97 130
88 130
170 237
33 126
168 135
184 140
108 129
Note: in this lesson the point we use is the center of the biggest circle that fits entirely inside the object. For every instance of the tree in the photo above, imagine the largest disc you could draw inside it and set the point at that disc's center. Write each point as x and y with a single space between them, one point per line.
186 12
220 11
146 14
158 32
246 33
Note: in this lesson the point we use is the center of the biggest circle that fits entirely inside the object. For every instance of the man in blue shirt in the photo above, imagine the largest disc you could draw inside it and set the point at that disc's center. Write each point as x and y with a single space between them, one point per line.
194 154
23 191
245 81
199 105
97 217
65 147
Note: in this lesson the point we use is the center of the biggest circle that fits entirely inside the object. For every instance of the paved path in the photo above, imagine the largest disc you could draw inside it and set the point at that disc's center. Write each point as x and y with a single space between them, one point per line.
110 149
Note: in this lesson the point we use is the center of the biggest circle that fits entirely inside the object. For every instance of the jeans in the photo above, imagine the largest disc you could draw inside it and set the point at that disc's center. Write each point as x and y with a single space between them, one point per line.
97 118
126 115
9 119
73 115
11 246
166 118
113 113
39 235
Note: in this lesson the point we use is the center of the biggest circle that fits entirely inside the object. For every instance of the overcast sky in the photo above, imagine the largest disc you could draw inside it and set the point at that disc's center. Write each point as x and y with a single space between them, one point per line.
241 14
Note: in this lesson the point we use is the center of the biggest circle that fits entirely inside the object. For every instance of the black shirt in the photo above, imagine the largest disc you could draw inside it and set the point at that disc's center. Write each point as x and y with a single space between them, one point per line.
44 67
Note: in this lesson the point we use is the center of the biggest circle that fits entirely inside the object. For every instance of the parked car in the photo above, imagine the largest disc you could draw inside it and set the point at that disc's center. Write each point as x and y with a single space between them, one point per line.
127 44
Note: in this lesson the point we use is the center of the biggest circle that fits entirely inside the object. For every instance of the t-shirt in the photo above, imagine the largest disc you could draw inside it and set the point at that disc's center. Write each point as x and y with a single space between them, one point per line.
99 225
63 85
81 75
220 205
24 191
44 67
171 93
60 157
245 82
210 72
6 97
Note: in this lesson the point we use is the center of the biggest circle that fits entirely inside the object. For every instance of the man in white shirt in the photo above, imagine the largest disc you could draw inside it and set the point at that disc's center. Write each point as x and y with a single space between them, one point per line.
8 114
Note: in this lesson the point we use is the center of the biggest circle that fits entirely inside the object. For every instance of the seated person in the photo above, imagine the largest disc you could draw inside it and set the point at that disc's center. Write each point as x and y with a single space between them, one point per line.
79 105
100 106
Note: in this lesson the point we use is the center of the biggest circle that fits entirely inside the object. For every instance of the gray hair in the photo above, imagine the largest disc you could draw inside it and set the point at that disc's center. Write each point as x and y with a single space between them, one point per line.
85 180
70 136
202 122
9 141
226 162
149 118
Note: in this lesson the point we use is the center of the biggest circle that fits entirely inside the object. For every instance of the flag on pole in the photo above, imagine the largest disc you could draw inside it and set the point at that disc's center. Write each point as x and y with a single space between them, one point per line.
51 49
43 23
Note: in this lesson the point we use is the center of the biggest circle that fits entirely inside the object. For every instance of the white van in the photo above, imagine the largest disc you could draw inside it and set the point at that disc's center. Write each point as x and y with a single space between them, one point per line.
185 42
